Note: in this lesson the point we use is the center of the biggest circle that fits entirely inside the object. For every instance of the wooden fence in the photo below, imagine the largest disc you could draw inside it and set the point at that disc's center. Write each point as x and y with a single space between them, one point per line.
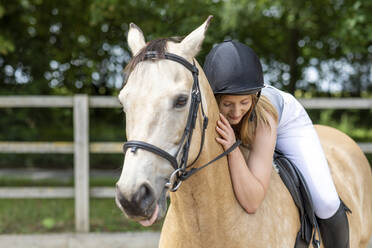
81 147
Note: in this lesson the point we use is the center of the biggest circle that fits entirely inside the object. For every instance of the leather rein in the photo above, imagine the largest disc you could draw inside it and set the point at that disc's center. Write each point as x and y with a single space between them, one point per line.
180 172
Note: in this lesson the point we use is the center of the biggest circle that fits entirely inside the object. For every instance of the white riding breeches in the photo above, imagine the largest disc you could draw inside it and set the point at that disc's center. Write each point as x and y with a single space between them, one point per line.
299 142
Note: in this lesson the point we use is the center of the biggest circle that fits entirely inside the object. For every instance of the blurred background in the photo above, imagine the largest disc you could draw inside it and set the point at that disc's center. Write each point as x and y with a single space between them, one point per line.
317 48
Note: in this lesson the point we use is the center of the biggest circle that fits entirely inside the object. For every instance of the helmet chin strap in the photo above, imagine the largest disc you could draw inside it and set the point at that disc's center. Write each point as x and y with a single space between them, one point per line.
252 115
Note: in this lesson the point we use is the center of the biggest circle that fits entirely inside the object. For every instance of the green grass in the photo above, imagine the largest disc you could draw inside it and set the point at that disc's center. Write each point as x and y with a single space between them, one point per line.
57 215
30 216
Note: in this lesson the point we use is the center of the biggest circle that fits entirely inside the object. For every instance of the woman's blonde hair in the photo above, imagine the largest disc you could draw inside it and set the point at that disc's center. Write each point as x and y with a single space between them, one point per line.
263 110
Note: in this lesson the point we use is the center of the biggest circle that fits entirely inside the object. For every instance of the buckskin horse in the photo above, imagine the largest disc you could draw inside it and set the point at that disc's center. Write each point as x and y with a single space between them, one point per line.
166 91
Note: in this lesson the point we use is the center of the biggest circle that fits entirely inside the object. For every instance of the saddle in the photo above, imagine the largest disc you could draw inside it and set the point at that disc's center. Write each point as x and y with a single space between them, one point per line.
295 182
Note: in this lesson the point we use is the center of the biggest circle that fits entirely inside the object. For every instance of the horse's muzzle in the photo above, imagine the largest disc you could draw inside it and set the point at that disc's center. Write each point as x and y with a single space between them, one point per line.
141 203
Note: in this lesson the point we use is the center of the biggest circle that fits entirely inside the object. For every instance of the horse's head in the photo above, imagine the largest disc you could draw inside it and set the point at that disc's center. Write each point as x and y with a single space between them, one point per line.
156 101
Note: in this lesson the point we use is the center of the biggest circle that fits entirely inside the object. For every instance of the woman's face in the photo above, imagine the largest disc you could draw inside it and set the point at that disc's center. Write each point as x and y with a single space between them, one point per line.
234 107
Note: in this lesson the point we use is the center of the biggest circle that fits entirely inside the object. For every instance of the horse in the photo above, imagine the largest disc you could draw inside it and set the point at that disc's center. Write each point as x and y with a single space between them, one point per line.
203 211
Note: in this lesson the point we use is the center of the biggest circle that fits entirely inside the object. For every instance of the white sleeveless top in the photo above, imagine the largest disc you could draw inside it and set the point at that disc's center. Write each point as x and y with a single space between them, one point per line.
291 113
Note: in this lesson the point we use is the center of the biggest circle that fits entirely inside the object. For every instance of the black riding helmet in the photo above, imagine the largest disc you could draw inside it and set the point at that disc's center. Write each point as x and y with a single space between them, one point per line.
233 68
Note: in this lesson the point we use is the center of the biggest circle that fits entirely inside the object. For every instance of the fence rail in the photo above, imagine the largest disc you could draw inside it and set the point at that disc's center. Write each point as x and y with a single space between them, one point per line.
55 101
331 103
52 192
58 147
112 102
81 146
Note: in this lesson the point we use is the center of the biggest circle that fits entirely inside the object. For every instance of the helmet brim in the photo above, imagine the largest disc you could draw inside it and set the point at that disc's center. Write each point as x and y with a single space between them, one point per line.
238 92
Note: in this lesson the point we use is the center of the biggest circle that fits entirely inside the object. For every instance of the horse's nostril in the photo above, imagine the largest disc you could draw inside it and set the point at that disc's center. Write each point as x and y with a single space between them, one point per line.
121 199
140 203
144 197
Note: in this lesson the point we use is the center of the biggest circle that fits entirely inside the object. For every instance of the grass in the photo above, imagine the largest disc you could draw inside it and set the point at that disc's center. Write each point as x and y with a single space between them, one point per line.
36 216
57 215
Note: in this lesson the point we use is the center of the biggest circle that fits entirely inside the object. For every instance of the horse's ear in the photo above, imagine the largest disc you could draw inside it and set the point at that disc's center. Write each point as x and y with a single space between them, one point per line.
136 40
191 44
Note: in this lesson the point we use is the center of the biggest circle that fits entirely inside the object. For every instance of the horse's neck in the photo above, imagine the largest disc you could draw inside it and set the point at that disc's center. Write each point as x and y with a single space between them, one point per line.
207 195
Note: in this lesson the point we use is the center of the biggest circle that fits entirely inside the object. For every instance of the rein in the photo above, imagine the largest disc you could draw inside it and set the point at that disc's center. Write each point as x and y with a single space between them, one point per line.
181 173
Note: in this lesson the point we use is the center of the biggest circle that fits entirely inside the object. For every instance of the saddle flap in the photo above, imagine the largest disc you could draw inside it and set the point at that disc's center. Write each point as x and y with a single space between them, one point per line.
296 185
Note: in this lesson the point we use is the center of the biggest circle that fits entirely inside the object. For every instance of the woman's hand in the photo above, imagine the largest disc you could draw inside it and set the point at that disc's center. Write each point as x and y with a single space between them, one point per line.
226 133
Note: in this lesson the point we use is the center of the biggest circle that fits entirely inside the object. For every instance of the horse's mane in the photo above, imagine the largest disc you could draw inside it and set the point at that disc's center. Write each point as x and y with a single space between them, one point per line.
158 46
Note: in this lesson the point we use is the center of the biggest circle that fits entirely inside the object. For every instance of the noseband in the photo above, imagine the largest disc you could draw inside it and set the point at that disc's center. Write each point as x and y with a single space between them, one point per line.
180 173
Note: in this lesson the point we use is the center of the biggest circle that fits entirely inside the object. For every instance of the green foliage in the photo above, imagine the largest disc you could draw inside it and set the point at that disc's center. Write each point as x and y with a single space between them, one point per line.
67 47
80 46
347 121
6 46
292 35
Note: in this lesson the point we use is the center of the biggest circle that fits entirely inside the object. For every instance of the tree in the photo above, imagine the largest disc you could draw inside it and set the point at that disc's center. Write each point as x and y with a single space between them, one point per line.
49 47
291 36
65 47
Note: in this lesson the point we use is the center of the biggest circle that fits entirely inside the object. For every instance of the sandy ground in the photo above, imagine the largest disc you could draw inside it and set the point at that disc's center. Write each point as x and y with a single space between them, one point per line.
90 240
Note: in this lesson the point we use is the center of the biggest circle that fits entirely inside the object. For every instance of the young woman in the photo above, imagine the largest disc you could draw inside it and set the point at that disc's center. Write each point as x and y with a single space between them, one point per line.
275 120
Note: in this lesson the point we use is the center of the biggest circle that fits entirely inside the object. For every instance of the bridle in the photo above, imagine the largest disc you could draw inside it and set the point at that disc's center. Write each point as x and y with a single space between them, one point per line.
180 172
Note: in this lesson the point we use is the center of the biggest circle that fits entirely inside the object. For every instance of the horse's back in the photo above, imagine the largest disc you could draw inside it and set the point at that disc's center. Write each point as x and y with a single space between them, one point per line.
352 175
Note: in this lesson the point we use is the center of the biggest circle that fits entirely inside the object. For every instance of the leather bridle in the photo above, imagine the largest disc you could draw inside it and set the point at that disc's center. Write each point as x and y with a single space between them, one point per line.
180 169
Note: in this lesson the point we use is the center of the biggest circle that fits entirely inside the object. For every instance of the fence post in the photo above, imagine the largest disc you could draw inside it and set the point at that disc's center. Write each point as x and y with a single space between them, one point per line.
81 162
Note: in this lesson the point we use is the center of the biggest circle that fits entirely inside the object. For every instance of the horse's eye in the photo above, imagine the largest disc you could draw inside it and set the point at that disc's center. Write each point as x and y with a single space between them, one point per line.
180 101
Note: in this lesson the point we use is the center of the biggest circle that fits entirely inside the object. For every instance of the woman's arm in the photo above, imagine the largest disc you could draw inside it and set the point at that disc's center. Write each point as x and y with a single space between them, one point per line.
250 182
